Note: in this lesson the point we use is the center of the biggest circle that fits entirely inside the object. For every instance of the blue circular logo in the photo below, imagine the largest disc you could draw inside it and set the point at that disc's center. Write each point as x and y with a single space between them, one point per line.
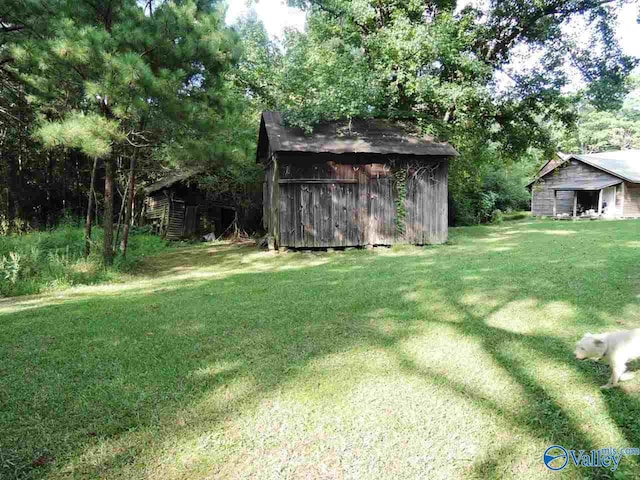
555 457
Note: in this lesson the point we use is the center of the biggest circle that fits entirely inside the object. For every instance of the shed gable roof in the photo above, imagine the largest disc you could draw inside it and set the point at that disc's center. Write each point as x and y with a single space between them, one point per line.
373 136
624 164
171 180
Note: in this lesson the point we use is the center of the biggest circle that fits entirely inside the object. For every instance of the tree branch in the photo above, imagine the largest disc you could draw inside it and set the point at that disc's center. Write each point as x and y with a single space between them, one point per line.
507 36
11 28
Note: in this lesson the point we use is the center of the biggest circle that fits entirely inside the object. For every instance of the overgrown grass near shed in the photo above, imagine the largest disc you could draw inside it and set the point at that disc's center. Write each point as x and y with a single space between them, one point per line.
53 259
451 361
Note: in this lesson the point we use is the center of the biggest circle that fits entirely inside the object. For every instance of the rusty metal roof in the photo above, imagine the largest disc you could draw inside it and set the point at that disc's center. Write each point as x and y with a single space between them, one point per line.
622 163
374 136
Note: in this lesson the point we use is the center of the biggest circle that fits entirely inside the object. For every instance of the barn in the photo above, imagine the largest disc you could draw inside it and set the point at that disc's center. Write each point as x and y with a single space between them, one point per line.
597 185
352 183
176 208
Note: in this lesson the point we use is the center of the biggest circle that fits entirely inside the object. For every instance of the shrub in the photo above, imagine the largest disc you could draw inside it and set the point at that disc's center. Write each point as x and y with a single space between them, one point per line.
37 261
492 188
10 267
516 216
497 216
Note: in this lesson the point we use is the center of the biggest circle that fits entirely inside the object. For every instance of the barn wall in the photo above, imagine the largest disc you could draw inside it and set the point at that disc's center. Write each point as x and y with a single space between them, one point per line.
156 205
542 191
271 199
183 210
426 206
347 201
266 197
619 197
175 227
631 200
170 215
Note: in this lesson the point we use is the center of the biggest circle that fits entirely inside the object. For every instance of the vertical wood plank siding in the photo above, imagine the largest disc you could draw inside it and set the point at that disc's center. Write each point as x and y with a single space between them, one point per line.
336 204
271 200
155 205
168 214
631 200
542 190
175 227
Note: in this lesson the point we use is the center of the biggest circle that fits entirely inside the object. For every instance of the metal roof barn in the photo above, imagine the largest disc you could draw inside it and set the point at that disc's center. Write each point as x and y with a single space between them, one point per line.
591 185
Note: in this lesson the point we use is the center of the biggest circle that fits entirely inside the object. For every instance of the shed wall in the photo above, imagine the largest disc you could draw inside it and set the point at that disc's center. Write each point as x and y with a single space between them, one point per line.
176 213
631 200
351 202
156 205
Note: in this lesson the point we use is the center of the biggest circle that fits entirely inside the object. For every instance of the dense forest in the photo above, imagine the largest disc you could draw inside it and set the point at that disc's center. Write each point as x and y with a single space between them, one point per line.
101 97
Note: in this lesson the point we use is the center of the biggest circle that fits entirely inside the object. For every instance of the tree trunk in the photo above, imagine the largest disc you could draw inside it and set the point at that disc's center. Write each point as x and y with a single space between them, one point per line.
12 186
123 203
108 212
47 213
129 199
87 223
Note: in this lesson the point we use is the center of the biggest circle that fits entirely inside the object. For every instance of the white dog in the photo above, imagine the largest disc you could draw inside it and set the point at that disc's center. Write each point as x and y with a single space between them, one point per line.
615 348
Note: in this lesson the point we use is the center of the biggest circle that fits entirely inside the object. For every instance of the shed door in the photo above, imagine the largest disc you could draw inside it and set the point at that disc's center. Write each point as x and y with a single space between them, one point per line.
191 221
320 215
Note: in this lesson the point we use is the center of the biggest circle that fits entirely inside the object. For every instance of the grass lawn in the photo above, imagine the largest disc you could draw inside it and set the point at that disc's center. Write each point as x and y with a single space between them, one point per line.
222 361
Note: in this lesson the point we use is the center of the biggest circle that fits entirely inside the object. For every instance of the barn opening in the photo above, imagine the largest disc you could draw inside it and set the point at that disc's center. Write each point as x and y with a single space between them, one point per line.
587 200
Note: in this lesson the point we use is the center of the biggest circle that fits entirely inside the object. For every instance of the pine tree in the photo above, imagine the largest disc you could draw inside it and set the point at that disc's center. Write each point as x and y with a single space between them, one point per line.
112 77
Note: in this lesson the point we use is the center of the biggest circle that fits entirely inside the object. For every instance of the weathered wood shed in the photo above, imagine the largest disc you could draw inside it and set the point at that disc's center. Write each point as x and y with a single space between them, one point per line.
177 208
364 182
603 184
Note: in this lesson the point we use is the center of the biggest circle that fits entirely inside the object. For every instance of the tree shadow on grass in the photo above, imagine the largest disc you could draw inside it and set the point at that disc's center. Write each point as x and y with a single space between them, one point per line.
98 387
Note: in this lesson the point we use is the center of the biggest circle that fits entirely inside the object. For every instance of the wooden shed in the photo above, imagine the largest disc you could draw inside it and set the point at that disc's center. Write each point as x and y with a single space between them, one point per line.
177 208
358 183
593 185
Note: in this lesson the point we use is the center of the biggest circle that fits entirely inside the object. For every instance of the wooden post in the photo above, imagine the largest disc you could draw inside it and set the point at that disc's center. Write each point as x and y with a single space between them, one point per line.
575 203
622 194
555 198
600 202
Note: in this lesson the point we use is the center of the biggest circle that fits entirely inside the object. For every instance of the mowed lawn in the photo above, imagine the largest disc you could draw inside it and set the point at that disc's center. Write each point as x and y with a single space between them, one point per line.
224 361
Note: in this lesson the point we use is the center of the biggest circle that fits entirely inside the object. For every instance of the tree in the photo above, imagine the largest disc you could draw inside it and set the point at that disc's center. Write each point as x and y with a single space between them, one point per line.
599 130
115 77
425 60
489 80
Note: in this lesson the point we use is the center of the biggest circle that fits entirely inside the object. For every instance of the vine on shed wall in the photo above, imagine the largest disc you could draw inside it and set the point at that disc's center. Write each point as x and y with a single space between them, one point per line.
399 175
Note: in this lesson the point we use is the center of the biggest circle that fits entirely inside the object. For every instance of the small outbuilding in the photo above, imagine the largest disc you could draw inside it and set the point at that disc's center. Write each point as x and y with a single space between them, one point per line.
593 185
176 208
352 183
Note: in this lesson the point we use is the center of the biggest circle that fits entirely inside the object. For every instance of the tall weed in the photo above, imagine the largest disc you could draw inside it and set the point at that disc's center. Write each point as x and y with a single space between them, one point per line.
31 262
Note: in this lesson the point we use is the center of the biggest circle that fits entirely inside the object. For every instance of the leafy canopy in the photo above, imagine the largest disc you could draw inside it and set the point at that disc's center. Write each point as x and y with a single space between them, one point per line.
452 69
122 71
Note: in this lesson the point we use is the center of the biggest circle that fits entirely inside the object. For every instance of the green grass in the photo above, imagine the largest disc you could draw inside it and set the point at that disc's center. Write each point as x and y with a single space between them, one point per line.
222 361
53 259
